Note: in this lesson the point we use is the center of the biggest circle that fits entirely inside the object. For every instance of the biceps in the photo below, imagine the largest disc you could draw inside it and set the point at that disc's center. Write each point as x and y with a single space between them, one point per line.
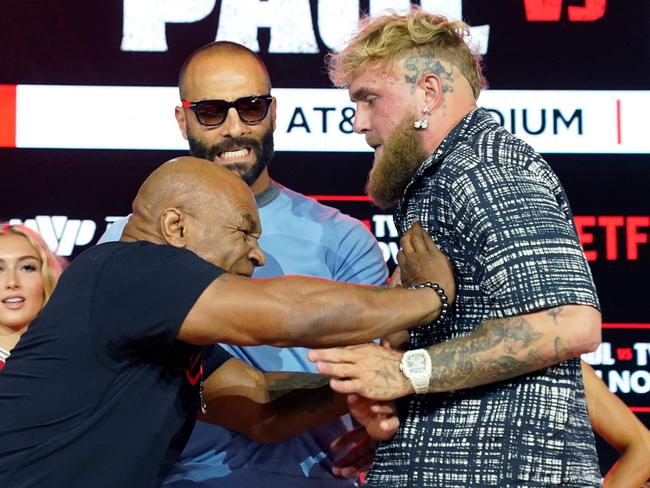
225 313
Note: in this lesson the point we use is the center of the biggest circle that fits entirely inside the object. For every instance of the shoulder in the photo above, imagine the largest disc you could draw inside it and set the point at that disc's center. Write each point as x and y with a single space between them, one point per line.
350 249
491 147
137 250
494 157
143 258
311 209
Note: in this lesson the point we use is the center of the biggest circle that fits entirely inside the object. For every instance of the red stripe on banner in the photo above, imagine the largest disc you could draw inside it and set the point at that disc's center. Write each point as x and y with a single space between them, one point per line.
342 198
626 326
640 409
7 115
618 121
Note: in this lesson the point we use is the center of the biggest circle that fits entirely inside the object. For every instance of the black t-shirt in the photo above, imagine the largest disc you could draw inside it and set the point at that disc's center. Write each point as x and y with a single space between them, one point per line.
98 392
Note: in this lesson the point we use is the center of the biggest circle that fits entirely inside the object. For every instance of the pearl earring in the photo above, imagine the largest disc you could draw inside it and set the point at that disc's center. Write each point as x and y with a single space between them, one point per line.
423 123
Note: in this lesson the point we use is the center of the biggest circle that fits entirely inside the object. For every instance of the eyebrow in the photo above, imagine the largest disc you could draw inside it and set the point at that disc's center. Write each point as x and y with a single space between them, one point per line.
23 258
360 94
251 223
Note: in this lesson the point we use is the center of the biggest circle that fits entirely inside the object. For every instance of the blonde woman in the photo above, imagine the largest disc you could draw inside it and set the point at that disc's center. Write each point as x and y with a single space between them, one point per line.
28 273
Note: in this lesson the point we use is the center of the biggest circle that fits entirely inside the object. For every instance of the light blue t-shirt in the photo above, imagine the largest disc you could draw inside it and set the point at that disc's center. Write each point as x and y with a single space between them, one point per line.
299 236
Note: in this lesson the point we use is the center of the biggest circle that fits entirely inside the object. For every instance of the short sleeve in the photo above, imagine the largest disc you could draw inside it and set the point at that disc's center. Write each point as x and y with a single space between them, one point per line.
361 260
144 292
518 226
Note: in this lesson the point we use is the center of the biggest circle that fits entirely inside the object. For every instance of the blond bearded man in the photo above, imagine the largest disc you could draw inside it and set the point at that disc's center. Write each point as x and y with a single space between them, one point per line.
499 399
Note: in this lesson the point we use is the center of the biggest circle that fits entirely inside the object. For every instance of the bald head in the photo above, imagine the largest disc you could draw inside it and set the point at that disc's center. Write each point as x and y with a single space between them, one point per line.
192 203
229 71
213 59
187 183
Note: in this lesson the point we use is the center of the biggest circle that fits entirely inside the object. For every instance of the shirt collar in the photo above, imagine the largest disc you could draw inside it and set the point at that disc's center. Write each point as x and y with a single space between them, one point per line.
268 195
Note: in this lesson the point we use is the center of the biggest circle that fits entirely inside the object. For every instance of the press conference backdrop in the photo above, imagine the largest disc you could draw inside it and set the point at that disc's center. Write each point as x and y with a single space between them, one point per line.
87 95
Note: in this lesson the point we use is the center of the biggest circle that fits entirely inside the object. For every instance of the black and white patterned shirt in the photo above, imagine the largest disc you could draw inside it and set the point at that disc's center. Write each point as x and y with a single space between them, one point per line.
501 216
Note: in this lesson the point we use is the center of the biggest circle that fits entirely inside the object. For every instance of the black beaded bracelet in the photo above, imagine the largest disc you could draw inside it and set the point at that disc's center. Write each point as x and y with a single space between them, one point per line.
441 294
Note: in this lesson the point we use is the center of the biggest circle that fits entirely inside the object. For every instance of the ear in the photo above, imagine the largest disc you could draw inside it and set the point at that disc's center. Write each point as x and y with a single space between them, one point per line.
433 90
273 109
173 227
179 113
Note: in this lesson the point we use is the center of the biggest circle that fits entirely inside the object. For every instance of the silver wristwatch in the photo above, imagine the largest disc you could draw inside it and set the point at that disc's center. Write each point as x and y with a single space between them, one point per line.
416 366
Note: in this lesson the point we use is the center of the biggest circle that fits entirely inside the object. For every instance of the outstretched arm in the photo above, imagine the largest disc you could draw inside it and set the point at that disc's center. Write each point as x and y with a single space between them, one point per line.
621 429
301 311
272 407
497 350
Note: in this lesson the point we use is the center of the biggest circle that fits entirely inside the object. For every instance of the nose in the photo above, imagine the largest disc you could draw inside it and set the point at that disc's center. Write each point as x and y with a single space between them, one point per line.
360 125
233 125
256 255
12 282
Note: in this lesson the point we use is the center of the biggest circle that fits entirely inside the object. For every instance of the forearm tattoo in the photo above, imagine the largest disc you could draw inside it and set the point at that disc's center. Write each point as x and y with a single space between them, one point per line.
419 65
554 313
455 363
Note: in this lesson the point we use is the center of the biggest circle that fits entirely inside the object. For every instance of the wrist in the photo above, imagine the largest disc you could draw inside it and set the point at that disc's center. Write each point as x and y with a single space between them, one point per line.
442 310
407 386
415 365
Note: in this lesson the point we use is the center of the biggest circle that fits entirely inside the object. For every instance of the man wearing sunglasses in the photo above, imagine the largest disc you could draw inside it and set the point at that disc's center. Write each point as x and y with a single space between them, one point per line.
228 116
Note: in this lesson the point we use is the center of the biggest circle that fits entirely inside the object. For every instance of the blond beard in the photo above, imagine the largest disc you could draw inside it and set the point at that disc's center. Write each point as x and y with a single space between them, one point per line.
402 156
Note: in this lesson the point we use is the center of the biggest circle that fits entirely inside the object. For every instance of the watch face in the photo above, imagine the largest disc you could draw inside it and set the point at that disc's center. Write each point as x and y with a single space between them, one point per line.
416 363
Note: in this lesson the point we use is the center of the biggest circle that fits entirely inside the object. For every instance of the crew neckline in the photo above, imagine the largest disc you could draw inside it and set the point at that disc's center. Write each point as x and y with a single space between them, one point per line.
268 195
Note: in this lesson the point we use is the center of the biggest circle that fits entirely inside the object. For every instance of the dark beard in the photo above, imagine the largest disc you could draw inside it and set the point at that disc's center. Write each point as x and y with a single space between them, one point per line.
402 156
262 148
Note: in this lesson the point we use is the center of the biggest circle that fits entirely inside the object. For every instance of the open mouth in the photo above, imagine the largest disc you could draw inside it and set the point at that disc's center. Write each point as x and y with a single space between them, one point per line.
13 303
235 154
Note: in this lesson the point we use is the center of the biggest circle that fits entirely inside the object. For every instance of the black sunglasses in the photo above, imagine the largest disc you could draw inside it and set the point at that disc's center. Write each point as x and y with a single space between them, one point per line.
212 113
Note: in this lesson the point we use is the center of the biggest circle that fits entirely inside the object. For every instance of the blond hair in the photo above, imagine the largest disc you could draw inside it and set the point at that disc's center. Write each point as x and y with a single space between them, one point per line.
51 264
389 38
